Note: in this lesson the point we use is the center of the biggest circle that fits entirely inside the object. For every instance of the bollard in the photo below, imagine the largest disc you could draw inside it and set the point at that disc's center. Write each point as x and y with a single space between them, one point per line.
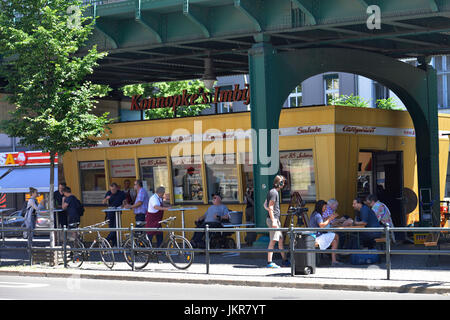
291 248
207 248
132 247
388 251
65 246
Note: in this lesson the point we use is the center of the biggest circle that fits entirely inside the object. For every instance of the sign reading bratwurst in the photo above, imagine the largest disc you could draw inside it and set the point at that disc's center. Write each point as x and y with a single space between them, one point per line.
189 99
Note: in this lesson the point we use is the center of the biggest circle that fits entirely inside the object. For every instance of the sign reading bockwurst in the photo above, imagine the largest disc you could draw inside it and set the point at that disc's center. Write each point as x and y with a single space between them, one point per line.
185 99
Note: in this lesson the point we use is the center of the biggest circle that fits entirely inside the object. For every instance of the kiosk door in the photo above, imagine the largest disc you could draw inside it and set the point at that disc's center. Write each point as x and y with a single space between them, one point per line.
388 183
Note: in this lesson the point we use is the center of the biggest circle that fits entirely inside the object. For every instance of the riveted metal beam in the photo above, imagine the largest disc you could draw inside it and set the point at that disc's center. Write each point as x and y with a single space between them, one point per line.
250 10
147 20
197 16
102 29
433 6
307 8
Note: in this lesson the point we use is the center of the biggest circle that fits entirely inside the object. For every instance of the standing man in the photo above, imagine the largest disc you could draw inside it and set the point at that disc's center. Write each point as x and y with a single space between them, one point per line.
141 203
58 196
113 198
273 221
366 219
129 192
72 206
155 214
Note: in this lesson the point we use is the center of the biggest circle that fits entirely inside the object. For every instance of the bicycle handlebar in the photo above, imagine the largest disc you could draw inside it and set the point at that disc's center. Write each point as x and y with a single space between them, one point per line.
167 220
98 224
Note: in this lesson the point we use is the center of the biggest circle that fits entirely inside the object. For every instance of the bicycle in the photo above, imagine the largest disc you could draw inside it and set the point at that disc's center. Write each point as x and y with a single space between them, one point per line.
180 259
79 254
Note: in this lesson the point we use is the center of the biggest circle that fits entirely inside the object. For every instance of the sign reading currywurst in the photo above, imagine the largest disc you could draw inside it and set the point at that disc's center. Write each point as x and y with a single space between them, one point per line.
189 99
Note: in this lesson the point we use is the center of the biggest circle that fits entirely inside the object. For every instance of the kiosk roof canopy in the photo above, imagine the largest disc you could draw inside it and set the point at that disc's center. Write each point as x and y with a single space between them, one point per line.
165 40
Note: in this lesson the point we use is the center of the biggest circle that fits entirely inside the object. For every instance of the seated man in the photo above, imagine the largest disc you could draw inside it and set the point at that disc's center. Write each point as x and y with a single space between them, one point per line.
213 217
381 211
366 219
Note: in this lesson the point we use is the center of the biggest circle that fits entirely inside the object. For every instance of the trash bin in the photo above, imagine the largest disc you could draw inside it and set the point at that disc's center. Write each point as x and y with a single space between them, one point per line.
305 262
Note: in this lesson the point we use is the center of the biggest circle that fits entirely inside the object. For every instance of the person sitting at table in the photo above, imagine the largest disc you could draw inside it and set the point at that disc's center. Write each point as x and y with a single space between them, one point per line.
332 206
381 211
366 219
155 213
213 217
113 198
324 239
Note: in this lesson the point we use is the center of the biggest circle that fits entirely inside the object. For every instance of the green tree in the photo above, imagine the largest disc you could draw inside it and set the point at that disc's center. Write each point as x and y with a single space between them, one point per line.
39 44
350 101
164 89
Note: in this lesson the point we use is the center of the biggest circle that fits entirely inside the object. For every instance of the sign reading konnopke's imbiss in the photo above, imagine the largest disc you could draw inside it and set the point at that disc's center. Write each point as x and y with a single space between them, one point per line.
139 103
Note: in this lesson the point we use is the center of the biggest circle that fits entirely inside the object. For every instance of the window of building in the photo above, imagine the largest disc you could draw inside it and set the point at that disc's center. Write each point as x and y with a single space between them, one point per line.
225 107
295 98
93 183
298 168
442 66
221 176
379 92
331 87
154 174
187 179
247 170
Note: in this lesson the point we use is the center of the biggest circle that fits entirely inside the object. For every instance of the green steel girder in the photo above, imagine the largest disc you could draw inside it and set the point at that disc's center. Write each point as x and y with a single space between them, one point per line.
253 10
198 16
307 7
149 21
103 29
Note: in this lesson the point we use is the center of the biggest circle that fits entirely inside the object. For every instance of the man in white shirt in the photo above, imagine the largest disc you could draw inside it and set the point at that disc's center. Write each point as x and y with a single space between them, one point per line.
155 214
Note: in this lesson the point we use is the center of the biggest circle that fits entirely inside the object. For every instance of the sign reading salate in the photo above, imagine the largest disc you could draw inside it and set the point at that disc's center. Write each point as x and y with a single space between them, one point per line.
138 103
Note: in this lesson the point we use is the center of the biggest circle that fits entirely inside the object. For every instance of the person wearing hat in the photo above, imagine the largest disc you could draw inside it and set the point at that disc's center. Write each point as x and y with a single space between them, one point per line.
213 217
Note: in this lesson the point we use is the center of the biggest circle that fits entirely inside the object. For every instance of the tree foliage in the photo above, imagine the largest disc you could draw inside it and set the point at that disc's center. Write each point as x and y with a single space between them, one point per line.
164 89
46 77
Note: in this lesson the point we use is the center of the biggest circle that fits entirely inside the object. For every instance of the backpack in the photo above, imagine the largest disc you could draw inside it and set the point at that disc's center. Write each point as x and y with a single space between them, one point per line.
80 208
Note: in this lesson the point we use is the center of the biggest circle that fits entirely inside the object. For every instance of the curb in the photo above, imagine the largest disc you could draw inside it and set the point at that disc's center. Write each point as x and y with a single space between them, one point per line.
422 288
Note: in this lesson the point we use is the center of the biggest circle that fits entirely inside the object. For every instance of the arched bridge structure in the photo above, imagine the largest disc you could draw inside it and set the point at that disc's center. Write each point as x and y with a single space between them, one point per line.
280 43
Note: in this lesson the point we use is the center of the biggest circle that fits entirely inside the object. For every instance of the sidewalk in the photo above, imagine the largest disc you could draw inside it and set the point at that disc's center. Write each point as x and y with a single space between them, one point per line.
409 274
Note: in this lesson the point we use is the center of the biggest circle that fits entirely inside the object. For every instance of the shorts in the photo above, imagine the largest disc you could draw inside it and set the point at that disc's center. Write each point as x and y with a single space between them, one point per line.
325 240
274 235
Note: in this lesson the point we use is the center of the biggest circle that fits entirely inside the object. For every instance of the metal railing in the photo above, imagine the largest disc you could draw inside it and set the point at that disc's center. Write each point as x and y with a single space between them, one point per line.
291 232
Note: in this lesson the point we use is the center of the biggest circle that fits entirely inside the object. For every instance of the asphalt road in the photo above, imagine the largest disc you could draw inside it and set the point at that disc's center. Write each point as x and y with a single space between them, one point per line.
74 288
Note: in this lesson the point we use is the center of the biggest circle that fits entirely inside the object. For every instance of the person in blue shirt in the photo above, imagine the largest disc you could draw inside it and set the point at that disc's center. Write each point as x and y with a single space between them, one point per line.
71 205
113 198
140 205
366 219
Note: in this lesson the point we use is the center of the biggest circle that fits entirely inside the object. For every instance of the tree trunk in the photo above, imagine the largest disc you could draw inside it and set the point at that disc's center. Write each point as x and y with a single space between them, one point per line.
51 202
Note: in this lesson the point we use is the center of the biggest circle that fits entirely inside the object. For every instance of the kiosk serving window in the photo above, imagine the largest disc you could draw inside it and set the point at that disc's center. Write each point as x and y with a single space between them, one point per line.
298 168
221 176
154 173
187 179
93 183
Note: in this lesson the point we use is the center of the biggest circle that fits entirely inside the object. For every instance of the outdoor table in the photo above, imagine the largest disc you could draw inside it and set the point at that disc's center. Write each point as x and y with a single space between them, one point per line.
118 217
350 233
2 212
182 209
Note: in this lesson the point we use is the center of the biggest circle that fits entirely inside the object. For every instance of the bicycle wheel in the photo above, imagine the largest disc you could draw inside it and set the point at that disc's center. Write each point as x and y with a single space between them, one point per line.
141 258
75 259
181 259
107 255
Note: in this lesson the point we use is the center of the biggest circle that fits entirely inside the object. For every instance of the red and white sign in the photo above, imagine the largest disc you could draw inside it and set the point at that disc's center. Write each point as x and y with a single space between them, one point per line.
28 158
153 162
92 165
122 168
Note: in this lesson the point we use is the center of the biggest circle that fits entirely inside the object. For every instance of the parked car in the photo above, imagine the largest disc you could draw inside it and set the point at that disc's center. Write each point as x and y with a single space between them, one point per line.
17 220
